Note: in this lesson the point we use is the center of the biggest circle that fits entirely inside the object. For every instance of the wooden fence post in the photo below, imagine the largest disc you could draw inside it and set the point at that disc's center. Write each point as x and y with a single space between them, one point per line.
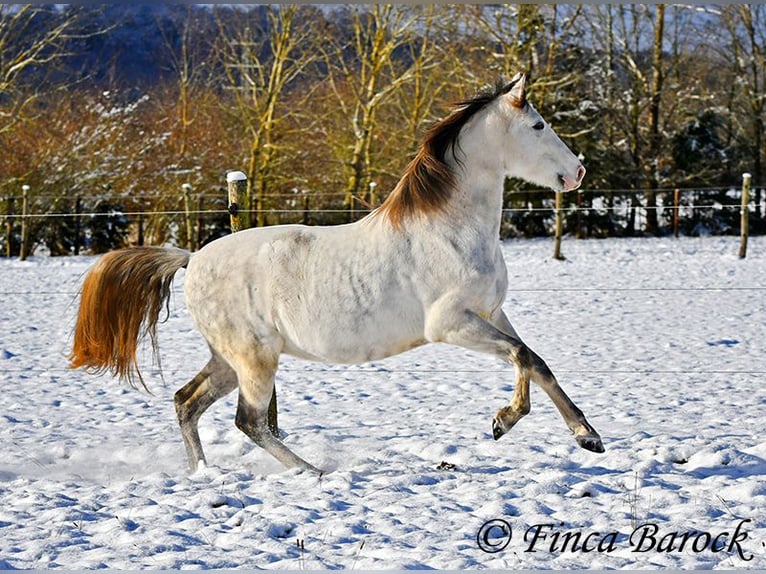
9 227
578 230
77 224
676 207
559 210
24 226
373 195
140 223
237 186
306 208
186 188
200 223
349 201
744 215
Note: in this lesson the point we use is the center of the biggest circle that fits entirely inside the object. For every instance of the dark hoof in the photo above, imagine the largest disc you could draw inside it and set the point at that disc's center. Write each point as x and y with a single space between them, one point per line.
497 429
591 443
505 419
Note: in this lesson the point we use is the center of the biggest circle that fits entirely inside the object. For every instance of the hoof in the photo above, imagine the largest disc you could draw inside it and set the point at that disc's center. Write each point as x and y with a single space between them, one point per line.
591 443
504 421
497 429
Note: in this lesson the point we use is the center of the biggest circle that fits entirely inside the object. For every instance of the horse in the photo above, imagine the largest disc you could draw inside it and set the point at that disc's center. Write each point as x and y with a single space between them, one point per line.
424 267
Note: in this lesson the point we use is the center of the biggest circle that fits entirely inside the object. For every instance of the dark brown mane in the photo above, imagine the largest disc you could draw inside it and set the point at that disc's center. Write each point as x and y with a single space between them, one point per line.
428 181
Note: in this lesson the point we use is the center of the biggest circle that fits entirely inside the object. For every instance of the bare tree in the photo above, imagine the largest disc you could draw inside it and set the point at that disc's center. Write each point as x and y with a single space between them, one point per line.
629 84
363 76
655 137
32 39
431 72
185 52
187 65
260 64
746 27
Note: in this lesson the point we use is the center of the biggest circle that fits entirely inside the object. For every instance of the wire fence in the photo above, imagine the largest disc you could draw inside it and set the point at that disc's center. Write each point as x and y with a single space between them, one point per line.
218 212
106 220
543 196
219 193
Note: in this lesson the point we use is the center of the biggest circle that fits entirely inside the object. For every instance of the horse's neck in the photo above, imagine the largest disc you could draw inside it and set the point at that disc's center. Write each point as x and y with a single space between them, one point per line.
477 202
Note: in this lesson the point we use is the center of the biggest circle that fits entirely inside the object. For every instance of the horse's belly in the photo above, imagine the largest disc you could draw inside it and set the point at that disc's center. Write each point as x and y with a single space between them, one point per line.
350 354
351 308
352 338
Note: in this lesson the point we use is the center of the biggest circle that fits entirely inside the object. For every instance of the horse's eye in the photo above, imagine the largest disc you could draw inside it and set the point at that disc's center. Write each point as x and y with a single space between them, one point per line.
538 126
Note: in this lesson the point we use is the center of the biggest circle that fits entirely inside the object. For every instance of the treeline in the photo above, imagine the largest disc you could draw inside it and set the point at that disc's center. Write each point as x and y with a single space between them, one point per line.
112 109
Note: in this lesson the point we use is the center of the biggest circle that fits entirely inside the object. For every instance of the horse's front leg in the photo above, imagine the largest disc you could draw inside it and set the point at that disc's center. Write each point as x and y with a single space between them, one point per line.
519 406
507 417
450 324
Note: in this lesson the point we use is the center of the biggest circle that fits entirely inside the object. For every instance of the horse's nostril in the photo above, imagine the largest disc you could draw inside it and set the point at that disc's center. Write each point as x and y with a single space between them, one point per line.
580 173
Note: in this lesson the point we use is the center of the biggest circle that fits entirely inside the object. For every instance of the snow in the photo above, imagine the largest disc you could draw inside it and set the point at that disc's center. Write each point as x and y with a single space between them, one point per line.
233 176
658 341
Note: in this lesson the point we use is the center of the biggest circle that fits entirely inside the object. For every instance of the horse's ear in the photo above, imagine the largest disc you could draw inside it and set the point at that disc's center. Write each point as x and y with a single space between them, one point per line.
518 91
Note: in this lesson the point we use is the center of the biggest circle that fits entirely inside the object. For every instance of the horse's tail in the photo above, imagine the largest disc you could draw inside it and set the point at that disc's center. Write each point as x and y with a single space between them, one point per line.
121 300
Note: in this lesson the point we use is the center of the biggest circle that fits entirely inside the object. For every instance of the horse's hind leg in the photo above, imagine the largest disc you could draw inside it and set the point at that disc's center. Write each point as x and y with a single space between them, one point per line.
213 382
256 386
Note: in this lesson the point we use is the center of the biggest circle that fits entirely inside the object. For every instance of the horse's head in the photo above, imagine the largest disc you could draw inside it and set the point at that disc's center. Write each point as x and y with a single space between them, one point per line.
531 149
493 135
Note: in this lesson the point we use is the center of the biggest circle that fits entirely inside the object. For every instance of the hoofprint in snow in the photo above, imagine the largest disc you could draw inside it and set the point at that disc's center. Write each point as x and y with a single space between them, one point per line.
659 340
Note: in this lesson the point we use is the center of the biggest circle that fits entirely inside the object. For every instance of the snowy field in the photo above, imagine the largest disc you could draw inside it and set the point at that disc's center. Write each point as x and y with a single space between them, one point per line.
659 341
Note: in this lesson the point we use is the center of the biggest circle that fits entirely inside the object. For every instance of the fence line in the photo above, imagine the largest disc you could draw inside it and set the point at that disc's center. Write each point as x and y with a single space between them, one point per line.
602 203
342 194
299 211
301 195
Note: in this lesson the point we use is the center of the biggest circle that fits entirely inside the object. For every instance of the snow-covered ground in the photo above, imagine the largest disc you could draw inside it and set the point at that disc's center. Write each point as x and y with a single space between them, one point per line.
659 341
